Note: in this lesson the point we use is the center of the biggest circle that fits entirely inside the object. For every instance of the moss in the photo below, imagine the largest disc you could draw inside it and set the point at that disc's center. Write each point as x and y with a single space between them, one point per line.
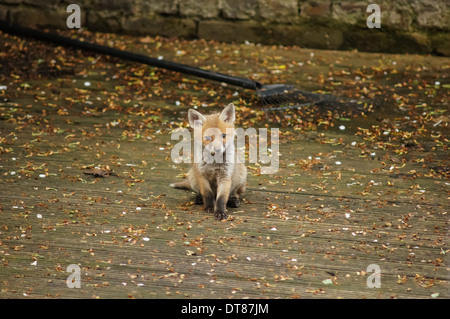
382 40
160 25
440 44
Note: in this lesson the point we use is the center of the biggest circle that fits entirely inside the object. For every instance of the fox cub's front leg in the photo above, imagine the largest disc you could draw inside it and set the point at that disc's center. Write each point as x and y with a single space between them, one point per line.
223 192
207 194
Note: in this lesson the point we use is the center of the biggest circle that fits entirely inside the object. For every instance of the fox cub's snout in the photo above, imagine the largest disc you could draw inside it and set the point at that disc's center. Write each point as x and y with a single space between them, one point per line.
218 180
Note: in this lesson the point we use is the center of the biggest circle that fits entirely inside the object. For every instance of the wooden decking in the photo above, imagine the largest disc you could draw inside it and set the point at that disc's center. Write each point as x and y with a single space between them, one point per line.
339 202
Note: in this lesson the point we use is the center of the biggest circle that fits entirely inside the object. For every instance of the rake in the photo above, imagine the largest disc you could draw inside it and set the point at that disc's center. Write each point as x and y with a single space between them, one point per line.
270 94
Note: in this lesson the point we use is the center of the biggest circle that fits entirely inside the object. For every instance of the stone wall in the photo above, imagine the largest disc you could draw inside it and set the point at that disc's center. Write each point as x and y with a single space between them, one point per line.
407 26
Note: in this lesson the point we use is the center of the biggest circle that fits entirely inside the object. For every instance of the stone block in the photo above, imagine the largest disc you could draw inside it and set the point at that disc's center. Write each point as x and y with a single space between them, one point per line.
47 3
160 25
200 8
103 21
12 2
168 7
349 12
4 10
432 14
440 43
285 11
304 35
315 9
396 18
380 40
34 17
112 5
368 40
308 36
232 31
239 9
411 42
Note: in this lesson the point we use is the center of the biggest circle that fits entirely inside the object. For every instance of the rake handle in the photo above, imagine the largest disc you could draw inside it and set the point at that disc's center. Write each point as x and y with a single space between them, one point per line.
172 66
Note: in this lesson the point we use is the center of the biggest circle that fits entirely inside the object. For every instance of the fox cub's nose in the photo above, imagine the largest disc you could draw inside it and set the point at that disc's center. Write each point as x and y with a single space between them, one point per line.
216 150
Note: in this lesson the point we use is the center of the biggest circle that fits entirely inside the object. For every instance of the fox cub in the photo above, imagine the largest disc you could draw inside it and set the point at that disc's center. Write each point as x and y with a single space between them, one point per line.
217 179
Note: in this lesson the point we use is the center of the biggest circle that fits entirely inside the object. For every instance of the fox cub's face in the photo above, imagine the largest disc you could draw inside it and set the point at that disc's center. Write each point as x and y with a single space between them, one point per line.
217 129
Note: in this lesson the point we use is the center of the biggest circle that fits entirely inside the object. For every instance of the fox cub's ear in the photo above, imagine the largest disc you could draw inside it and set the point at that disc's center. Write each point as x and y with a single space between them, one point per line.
195 118
228 114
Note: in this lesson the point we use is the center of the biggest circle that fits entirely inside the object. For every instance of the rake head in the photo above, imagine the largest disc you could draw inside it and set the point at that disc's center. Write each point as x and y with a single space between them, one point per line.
277 97
276 94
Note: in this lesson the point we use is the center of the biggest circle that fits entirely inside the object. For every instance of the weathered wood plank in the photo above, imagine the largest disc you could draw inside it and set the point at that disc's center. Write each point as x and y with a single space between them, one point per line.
333 208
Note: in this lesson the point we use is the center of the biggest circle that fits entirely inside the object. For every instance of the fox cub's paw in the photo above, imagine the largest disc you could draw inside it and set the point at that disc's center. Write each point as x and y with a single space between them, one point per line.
198 199
233 202
220 214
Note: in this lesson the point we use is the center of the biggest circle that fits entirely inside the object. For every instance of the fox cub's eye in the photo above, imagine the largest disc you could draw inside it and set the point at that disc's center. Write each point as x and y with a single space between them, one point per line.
224 135
207 138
